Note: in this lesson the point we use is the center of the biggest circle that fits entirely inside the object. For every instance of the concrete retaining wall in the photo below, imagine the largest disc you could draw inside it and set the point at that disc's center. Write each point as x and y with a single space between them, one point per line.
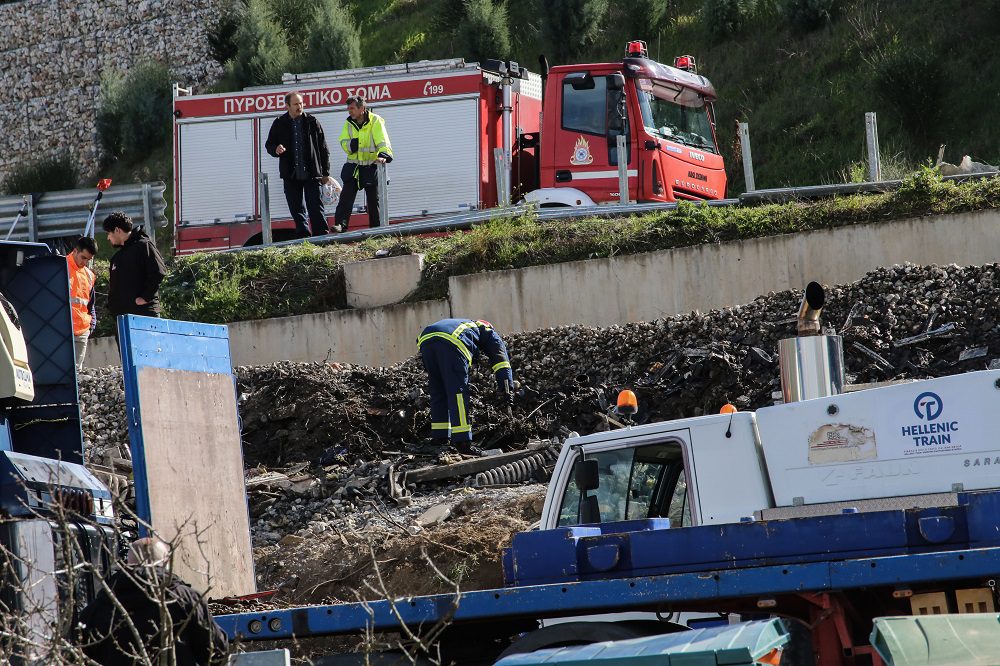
602 292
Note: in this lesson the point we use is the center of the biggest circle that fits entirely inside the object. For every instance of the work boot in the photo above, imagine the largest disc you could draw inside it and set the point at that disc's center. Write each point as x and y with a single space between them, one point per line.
468 448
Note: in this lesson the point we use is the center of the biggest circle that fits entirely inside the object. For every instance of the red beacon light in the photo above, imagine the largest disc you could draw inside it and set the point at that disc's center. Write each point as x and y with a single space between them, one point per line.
636 49
686 63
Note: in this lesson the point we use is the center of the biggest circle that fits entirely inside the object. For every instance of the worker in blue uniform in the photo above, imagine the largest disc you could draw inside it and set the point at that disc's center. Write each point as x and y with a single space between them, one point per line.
448 349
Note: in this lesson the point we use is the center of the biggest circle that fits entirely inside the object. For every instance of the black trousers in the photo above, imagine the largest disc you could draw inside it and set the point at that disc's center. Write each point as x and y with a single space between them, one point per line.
294 191
367 179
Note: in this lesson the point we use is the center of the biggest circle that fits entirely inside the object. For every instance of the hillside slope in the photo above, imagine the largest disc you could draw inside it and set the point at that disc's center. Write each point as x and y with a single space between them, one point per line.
804 93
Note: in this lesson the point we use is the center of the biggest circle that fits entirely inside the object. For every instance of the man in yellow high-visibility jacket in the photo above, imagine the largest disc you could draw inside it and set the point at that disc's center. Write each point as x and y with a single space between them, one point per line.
366 143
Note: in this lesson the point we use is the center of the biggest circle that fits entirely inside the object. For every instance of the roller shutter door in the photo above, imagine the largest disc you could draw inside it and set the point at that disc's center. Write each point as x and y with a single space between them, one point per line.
217 175
436 165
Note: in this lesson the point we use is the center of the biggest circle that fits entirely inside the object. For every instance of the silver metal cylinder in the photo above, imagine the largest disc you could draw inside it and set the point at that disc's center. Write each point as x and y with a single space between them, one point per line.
811 367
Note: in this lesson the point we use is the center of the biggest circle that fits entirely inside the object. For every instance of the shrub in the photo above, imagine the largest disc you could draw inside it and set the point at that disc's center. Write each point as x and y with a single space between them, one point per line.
221 36
482 33
262 53
48 174
296 19
449 14
725 18
808 15
133 111
571 27
913 83
334 41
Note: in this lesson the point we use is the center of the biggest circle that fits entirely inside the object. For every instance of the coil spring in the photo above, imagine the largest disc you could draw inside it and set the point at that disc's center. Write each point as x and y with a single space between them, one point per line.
518 471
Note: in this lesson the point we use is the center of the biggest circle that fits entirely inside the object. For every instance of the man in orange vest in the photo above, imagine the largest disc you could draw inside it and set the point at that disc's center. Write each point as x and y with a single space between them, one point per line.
81 294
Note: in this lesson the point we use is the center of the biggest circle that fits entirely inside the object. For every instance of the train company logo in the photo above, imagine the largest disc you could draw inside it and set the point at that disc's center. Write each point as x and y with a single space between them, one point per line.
928 406
581 153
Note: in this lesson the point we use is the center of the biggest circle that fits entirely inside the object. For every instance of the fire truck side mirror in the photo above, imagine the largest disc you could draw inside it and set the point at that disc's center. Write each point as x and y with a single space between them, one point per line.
528 140
580 80
616 82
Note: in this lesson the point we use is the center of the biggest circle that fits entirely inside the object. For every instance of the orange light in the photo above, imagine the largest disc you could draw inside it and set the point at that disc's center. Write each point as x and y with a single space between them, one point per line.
627 402
728 408
772 658
103 184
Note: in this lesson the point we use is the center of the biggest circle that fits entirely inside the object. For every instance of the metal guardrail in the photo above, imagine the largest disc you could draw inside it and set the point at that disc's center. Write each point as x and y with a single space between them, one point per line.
52 215
462 221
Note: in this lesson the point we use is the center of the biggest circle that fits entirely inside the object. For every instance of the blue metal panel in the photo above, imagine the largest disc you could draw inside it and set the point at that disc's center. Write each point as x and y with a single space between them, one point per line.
618 594
175 345
982 511
37 284
167 344
550 556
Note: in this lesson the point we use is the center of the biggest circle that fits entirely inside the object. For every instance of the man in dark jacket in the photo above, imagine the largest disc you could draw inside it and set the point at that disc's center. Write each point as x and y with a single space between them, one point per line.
161 614
297 140
137 269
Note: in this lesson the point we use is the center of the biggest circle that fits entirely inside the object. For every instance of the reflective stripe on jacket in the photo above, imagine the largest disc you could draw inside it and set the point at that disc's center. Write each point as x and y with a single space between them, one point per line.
469 338
372 139
81 297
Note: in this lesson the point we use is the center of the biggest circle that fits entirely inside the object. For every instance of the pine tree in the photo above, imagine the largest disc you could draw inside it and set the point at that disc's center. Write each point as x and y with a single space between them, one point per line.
571 27
334 41
482 32
262 53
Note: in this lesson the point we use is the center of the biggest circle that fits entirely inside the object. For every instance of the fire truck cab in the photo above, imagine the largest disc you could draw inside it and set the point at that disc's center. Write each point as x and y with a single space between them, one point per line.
665 114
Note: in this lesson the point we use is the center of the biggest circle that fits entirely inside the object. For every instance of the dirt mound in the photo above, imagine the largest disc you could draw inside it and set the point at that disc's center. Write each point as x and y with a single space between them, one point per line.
387 562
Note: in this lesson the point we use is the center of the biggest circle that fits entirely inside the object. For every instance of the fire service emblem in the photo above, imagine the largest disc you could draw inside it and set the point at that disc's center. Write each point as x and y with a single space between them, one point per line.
581 153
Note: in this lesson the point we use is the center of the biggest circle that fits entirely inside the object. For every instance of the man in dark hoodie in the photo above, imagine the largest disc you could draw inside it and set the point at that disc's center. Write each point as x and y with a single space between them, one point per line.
144 613
137 269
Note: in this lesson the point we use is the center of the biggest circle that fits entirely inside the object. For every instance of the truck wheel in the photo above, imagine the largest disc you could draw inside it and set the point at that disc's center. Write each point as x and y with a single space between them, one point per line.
585 633
277 235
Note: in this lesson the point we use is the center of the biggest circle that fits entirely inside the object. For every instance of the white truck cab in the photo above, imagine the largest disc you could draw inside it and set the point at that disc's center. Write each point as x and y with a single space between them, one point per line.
696 471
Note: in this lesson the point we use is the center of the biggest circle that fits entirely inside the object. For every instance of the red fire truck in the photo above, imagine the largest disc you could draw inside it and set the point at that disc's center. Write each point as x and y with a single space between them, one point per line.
454 126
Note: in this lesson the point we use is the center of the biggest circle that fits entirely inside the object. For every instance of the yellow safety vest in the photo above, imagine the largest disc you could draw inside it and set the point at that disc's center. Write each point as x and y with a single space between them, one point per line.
372 140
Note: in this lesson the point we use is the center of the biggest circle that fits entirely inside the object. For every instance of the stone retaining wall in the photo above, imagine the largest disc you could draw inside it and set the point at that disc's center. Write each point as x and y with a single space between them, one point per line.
57 50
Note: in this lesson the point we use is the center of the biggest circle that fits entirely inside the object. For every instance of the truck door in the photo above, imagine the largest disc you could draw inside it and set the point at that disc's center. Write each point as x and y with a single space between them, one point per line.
633 484
593 113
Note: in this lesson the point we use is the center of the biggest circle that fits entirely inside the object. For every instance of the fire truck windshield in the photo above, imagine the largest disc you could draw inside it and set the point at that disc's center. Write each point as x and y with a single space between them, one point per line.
676 114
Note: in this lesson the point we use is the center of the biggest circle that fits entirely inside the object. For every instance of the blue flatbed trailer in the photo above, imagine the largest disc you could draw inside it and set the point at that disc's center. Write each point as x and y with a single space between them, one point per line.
836 571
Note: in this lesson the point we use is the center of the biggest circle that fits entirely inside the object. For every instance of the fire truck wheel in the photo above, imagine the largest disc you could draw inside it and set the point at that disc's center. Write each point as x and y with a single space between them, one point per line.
584 633
277 235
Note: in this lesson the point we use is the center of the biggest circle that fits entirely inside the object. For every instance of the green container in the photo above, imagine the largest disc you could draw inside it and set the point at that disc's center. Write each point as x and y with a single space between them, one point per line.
967 639
732 645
